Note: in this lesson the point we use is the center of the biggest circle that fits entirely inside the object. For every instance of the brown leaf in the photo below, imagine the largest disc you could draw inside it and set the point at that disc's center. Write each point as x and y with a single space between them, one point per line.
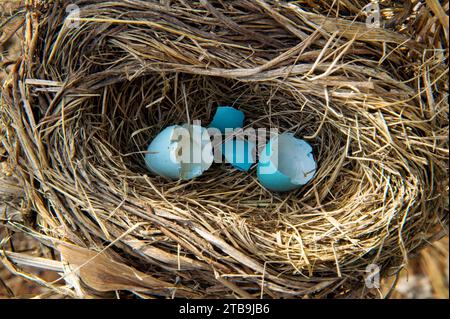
100 272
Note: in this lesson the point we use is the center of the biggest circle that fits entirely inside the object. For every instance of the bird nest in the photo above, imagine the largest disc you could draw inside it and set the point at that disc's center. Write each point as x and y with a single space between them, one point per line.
98 80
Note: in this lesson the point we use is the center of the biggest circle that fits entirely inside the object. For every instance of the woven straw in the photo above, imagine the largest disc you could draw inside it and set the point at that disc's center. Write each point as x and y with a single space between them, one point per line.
89 93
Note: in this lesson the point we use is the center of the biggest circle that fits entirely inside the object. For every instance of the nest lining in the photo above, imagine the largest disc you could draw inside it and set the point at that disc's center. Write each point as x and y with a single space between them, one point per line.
134 67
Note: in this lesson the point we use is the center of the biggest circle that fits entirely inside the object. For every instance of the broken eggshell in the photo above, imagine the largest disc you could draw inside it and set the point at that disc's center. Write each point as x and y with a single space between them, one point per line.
227 117
180 152
286 163
239 153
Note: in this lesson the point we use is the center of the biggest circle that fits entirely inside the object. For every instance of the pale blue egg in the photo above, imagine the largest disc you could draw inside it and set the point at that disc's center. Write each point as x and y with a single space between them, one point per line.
227 117
239 153
160 157
180 152
286 163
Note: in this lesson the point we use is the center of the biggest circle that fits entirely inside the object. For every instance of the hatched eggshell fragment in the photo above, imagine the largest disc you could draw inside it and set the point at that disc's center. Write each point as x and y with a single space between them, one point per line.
239 153
160 158
227 117
199 155
286 163
180 152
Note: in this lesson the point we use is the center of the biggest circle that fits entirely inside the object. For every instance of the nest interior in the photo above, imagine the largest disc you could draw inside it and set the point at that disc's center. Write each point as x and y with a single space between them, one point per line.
97 81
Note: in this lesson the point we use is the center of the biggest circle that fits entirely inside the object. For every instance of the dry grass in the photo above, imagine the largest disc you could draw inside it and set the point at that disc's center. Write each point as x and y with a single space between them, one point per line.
10 36
426 275
81 104
17 286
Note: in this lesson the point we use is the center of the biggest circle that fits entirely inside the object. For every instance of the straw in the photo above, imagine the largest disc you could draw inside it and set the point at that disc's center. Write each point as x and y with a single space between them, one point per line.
82 103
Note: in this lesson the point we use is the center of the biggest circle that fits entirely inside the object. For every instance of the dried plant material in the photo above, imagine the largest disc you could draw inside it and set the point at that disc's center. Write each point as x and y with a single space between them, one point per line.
426 275
10 37
15 283
89 93
415 287
101 273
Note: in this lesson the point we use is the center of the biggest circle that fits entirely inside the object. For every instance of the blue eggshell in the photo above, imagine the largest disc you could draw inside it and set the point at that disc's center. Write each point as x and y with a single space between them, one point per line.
227 117
286 163
200 153
159 158
239 153
165 154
